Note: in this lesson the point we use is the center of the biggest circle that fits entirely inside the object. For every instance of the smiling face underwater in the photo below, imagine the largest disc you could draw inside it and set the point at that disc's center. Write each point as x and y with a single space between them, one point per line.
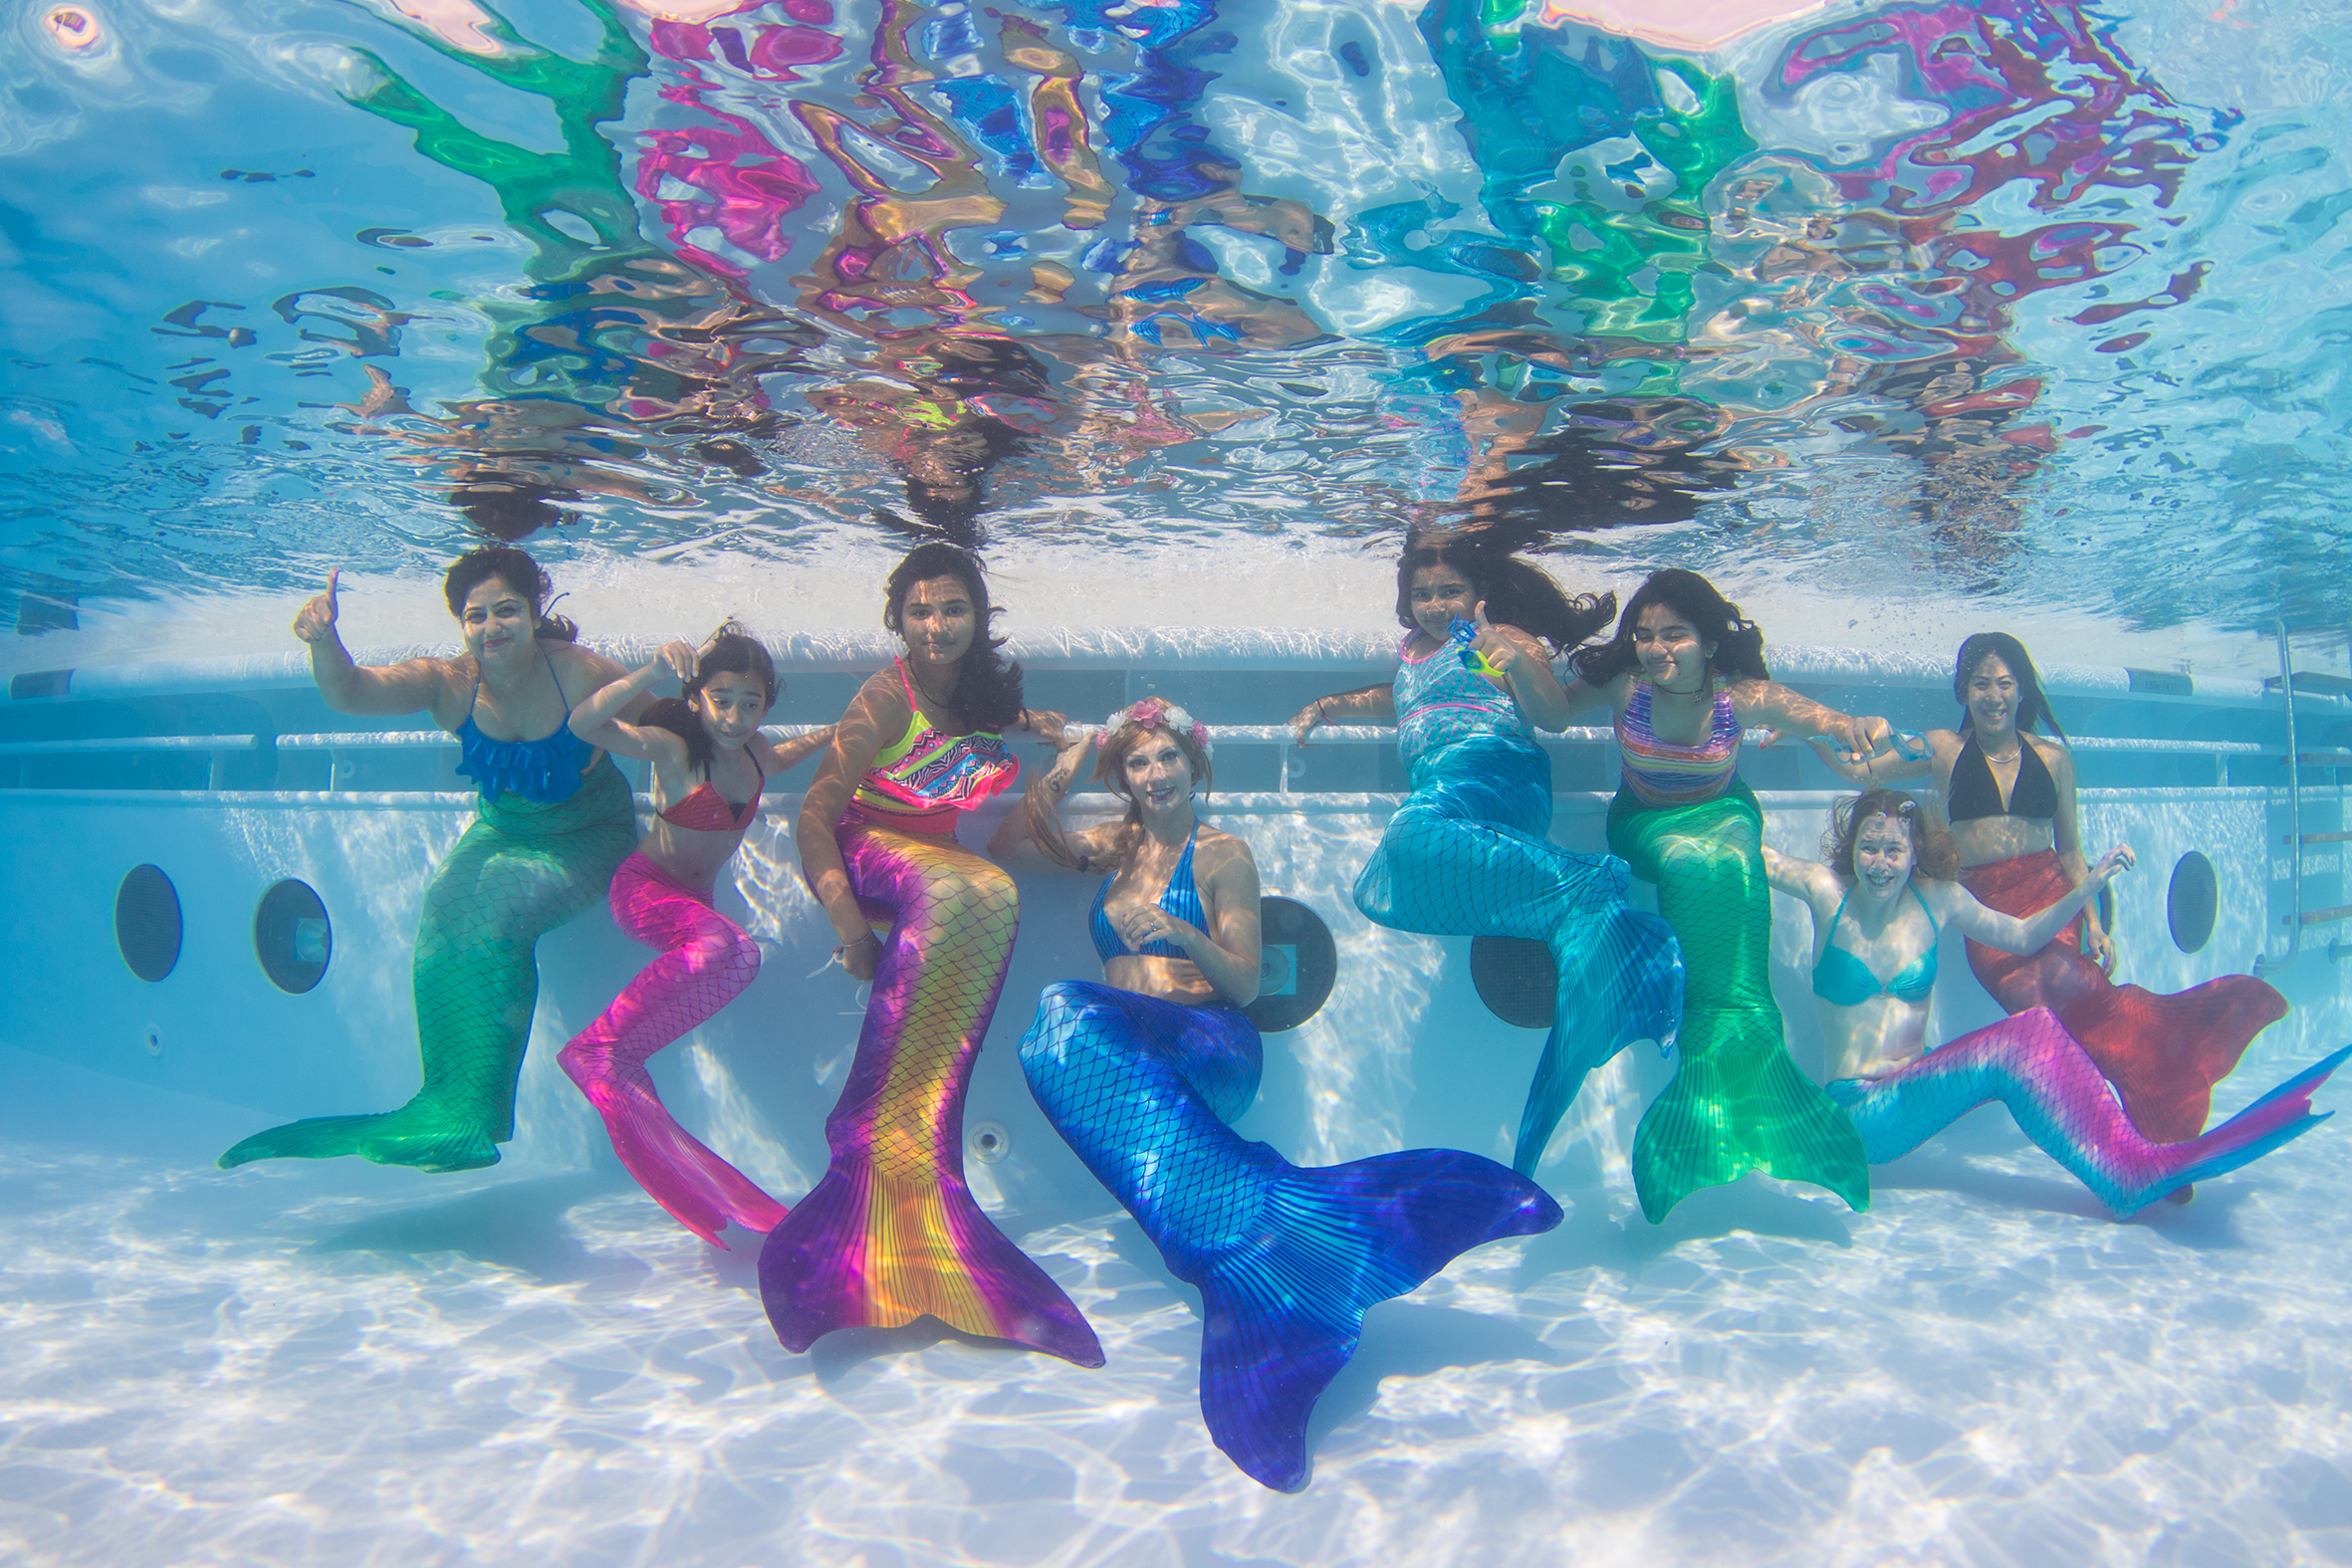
1672 656
1440 596
1992 699
1883 857
1157 773
938 622
497 621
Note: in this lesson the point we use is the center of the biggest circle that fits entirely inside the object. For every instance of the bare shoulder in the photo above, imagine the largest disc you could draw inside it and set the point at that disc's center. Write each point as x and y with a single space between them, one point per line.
1217 852
2054 753
570 659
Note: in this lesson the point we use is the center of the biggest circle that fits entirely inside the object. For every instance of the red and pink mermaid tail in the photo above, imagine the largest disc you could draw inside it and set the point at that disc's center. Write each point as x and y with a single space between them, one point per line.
706 961
2163 1053
891 1234
2059 1100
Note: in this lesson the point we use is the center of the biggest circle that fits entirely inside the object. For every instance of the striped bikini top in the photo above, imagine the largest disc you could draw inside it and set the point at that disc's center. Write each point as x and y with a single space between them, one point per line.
1439 702
546 770
1180 899
921 782
1661 773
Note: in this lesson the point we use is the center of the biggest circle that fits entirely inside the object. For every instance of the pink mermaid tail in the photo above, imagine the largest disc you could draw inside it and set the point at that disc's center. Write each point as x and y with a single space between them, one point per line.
2059 1099
891 1234
706 960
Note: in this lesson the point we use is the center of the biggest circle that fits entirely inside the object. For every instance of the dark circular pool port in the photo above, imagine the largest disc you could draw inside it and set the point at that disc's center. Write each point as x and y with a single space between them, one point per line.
1300 962
2191 902
1516 978
146 922
292 937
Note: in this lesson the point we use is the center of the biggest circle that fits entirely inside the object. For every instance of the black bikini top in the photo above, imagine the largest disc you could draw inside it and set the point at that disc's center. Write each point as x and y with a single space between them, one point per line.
1975 793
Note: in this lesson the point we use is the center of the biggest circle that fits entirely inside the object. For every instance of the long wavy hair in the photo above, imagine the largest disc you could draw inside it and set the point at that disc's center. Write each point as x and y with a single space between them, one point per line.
986 693
2033 706
1518 592
1110 771
518 572
1933 853
1738 642
733 651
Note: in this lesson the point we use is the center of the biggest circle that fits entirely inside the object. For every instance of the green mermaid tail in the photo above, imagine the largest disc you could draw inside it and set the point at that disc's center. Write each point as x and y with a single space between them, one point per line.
1737 1103
523 869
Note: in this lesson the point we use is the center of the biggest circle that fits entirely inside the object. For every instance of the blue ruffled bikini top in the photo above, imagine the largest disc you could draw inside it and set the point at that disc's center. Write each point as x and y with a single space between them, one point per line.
546 770
1181 899
1845 979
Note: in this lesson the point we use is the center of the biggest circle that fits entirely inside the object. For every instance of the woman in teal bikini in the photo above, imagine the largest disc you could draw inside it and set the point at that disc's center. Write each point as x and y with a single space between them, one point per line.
555 821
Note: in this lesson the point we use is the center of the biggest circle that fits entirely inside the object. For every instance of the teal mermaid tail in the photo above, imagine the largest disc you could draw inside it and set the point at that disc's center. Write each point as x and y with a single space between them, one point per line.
522 869
1466 855
2059 1099
1737 1103
1287 1261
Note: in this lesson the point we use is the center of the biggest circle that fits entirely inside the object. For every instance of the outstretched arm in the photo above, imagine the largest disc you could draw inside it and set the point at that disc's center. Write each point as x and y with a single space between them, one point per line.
1365 705
782 757
1957 906
411 686
597 720
2067 840
1031 837
1786 713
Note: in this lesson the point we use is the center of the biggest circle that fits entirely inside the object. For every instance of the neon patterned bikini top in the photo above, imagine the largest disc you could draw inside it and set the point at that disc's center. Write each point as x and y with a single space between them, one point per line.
1841 978
706 810
1661 773
546 770
1439 702
921 780
1179 898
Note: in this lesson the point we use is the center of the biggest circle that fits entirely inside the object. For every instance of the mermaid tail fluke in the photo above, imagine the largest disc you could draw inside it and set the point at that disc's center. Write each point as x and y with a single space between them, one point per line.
698 1189
1736 1111
1628 987
413 1135
1282 1311
871 1250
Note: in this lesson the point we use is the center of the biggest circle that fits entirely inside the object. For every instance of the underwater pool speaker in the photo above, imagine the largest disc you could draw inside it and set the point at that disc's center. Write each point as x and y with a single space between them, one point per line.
2190 901
147 923
1299 962
1516 978
292 937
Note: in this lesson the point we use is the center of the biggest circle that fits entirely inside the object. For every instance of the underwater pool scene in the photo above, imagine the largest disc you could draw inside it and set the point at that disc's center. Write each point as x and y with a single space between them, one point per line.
1607 1163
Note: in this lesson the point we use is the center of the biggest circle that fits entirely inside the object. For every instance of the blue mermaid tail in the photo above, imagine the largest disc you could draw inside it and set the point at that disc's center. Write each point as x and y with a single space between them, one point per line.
1287 1261
1466 855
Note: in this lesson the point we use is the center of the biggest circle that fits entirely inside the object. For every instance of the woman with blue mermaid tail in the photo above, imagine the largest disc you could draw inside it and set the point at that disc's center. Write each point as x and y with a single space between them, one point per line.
710 767
1685 676
1143 1074
554 821
1467 854
1878 907
891 1233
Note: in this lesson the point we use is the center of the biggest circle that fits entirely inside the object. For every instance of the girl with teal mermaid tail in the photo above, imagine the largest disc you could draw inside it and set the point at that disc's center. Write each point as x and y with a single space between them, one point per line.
891 1233
1467 853
1876 919
1686 676
554 821
710 768
1144 1073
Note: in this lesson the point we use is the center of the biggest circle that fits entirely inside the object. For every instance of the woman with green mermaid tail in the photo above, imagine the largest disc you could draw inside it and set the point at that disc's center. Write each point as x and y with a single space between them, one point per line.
555 821
1686 676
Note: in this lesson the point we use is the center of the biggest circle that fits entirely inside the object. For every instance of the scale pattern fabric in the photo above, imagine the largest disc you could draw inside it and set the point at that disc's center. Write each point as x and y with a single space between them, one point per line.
706 960
1440 701
2163 1053
522 869
891 1231
1287 1259
1737 1103
1466 855
2055 1092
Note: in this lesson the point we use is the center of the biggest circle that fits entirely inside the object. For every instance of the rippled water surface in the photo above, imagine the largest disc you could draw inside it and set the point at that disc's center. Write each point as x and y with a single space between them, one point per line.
2035 302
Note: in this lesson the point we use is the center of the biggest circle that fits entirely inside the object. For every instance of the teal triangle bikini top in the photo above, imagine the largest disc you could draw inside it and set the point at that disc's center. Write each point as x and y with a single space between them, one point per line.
1841 978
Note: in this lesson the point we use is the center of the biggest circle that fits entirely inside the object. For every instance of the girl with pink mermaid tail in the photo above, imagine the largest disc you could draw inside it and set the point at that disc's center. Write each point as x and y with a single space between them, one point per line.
1873 916
891 1233
710 763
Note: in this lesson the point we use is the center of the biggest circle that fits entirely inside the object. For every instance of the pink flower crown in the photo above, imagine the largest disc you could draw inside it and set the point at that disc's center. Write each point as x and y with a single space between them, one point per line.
1151 714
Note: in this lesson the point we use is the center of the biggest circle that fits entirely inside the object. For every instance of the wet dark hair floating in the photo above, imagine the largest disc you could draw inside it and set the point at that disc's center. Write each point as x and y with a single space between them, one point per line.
1738 642
987 685
1516 592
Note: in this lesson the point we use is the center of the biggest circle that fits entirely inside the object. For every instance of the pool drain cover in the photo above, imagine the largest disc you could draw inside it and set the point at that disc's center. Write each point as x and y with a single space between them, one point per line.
147 923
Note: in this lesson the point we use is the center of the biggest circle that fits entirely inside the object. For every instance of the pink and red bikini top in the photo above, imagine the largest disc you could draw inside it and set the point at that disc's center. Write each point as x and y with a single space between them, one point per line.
706 810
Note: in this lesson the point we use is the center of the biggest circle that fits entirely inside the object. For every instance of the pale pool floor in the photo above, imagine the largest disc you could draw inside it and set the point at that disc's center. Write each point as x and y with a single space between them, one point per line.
335 1364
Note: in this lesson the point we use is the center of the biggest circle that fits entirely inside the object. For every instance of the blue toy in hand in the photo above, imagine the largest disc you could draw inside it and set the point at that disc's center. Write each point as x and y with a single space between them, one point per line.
1463 635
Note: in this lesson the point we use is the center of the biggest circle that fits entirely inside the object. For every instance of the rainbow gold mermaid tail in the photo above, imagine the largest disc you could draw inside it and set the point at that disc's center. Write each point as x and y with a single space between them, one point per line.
2056 1091
1287 1259
891 1234
1737 1103
522 869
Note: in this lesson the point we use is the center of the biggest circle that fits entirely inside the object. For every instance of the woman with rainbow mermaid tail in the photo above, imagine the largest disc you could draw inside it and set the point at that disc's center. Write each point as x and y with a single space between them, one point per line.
1875 913
1686 675
891 1233
2009 795
662 896
556 819
1143 1073
1467 854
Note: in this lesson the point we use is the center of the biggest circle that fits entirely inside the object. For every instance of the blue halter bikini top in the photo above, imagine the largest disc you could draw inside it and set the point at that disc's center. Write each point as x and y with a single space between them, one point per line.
546 770
1181 899
1841 978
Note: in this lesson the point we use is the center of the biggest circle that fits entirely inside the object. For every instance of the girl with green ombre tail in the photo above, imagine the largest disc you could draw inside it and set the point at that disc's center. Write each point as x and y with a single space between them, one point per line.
1686 675
555 821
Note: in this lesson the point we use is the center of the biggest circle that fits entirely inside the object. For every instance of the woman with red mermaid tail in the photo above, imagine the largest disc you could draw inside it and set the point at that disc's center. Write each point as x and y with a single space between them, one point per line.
710 764
2009 795
891 1233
